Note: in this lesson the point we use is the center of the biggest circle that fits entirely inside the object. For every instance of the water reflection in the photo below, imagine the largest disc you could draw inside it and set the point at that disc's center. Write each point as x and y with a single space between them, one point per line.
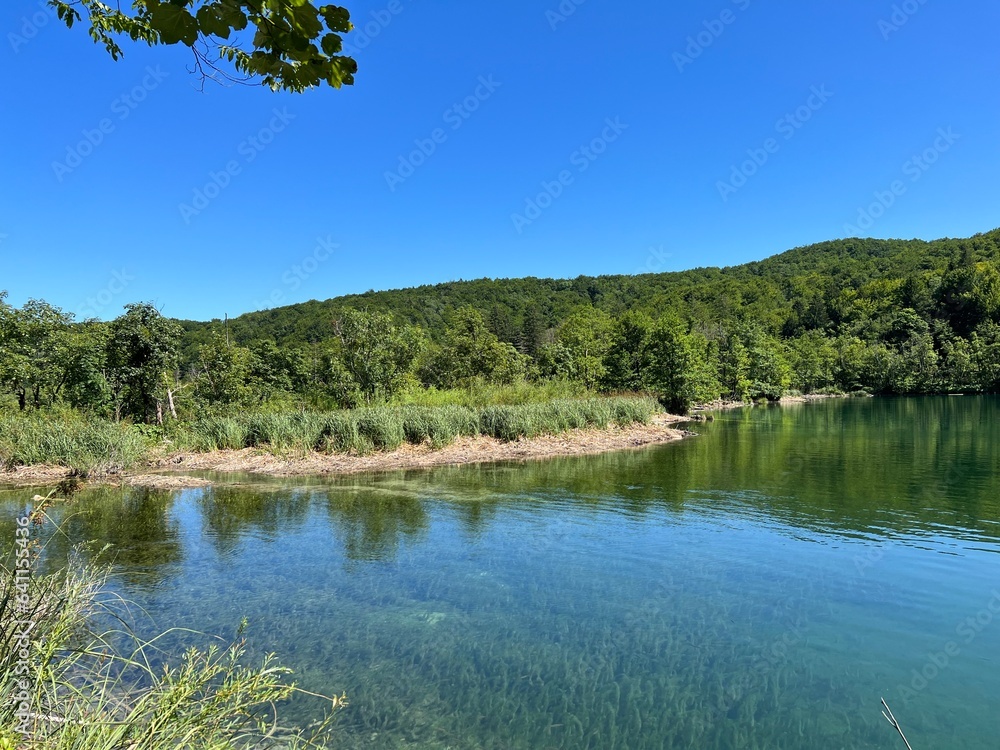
759 586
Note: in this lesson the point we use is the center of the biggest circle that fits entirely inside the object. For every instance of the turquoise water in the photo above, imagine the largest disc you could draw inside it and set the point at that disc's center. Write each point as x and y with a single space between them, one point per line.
759 586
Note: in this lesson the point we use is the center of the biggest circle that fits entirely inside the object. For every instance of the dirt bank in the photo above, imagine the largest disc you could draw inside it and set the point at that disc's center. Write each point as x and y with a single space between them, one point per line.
166 472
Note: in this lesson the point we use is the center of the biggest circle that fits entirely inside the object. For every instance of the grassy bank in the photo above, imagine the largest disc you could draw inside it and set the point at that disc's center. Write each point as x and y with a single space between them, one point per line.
95 446
67 438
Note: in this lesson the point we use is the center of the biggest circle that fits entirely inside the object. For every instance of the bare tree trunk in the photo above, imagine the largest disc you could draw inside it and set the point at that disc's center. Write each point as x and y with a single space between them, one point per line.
159 412
170 401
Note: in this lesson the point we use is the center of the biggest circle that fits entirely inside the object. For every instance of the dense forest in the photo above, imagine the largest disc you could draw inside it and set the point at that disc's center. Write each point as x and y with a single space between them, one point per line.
882 316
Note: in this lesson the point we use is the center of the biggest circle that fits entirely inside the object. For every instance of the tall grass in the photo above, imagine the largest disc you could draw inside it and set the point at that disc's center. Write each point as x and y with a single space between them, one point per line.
97 446
71 440
385 428
80 687
531 420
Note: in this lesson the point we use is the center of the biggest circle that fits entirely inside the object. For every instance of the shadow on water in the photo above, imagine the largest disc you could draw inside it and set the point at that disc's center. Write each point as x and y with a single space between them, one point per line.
761 585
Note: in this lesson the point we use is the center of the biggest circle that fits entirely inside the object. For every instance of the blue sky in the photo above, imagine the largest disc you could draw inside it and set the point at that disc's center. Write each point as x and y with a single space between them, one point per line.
501 140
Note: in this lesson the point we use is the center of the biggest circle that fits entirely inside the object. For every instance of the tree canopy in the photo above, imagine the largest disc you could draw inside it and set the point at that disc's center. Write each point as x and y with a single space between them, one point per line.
293 45
875 315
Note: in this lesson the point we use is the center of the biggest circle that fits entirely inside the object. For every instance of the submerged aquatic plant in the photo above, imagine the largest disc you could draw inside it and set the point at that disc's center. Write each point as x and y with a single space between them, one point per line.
82 679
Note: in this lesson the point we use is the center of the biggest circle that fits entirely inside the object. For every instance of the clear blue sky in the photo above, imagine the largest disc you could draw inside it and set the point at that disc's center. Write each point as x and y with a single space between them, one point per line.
110 227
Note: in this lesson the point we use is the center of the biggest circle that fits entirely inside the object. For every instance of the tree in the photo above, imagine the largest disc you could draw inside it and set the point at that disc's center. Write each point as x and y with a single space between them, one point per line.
224 372
970 295
813 360
469 350
672 364
141 353
33 343
985 353
83 361
375 352
587 335
627 363
295 44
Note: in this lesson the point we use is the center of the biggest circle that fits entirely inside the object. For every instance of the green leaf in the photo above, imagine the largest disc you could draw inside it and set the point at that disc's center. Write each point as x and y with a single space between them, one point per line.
173 23
337 18
332 44
232 14
305 20
211 22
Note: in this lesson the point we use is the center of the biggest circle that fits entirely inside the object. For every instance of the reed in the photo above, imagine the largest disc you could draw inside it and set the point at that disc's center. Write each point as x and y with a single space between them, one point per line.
88 446
385 428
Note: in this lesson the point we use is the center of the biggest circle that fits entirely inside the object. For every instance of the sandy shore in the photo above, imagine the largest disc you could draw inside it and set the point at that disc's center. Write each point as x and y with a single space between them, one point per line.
167 472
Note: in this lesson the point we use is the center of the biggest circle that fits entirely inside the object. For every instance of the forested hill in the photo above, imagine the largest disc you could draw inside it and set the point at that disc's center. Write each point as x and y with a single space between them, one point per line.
846 316
801 289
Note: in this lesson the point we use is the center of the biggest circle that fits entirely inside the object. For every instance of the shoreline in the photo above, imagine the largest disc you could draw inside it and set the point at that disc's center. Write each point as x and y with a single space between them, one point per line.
168 471
727 405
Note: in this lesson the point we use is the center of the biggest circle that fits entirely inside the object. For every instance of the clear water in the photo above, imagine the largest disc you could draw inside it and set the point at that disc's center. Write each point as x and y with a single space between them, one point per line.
760 586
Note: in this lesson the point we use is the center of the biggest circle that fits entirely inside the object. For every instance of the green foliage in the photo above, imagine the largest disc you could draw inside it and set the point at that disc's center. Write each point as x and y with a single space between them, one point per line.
375 353
218 433
439 426
66 439
813 360
35 351
381 427
295 44
671 364
872 315
509 423
385 428
586 334
482 393
141 356
470 351
224 373
629 358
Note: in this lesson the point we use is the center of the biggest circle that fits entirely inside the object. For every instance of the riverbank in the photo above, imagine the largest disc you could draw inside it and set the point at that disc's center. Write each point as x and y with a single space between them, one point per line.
169 470
724 405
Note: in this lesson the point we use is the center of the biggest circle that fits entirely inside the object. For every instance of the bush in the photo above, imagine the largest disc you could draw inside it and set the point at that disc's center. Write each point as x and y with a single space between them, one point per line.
626 411
216 433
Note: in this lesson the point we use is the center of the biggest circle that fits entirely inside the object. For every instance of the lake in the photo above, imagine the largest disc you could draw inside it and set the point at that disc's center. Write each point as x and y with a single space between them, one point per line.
759 586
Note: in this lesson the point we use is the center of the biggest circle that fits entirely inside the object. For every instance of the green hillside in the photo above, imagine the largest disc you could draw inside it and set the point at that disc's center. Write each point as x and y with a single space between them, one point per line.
882 316
774 292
